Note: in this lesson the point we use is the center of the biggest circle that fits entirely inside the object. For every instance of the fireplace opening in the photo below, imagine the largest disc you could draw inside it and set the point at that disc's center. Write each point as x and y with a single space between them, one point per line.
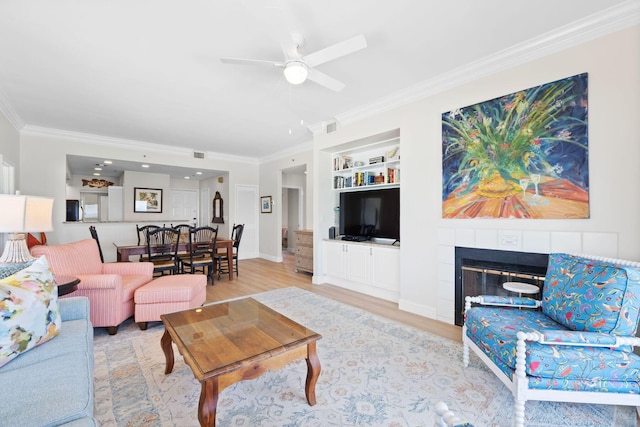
483 272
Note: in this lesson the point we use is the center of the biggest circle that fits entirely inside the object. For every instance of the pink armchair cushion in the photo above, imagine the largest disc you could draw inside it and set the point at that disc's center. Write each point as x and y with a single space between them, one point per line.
74 259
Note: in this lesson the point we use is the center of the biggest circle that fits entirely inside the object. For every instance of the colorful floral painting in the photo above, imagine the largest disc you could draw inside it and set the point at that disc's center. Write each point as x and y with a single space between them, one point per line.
523 155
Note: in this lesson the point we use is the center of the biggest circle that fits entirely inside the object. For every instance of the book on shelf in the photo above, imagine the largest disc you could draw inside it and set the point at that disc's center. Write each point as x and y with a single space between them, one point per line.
393 176
342 163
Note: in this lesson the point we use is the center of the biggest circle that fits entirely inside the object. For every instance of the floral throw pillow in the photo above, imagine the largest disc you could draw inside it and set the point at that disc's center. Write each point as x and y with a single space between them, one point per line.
29 312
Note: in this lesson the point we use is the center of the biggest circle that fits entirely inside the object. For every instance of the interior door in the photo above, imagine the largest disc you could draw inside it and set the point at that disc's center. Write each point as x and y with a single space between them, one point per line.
184 205
246 212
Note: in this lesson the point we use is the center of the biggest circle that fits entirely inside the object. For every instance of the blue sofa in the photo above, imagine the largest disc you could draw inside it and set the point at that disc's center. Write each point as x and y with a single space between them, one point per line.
52 384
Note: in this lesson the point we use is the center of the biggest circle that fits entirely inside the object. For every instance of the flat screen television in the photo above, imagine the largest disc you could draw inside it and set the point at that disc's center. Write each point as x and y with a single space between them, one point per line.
370 214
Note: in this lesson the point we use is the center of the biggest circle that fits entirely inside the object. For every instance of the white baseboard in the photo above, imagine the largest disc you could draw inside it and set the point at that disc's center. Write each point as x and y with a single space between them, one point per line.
271 258
419 309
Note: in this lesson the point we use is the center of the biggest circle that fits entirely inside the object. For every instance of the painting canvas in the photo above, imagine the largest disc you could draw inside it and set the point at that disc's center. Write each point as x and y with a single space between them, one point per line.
147 200
523 155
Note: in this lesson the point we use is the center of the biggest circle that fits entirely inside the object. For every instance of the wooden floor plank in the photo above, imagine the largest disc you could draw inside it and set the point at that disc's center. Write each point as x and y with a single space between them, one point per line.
259 275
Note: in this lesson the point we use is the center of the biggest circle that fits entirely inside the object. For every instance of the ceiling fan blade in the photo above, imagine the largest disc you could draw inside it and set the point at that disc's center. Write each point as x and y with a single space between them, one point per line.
336 51
324 80
241 61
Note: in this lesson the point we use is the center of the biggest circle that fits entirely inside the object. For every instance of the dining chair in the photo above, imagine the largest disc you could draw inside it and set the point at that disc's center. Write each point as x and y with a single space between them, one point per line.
162 249
142 233
222 259
184 229
142 237
202 246
94 234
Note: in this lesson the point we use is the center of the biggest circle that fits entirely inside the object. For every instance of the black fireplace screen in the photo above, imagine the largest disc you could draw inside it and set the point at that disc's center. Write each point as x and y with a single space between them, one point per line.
483 272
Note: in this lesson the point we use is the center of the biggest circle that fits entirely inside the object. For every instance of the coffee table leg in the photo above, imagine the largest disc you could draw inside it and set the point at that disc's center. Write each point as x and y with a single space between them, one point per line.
167 348
208 403
313 372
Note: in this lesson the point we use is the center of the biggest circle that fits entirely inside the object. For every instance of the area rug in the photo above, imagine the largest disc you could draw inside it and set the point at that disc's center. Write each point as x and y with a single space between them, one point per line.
375 372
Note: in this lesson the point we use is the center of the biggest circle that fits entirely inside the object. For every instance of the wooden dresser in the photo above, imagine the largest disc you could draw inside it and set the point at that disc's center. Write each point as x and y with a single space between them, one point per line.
304 250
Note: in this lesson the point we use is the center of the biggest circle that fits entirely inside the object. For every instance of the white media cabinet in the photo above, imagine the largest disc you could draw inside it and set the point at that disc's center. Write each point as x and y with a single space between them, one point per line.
365 267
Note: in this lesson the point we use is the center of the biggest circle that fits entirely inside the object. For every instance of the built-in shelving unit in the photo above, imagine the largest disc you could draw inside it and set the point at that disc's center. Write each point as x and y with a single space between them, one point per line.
371 267
375 165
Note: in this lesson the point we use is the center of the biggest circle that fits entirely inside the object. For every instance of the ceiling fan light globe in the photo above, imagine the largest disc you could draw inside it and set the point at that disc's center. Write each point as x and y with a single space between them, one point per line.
296 72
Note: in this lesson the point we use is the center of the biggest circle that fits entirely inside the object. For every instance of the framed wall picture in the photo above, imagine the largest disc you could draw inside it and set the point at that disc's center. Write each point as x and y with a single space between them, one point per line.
147 200
265 204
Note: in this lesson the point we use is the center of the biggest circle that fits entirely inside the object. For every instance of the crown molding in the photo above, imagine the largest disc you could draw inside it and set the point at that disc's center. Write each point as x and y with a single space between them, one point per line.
127 143
296 149
614 19
101 139
9 113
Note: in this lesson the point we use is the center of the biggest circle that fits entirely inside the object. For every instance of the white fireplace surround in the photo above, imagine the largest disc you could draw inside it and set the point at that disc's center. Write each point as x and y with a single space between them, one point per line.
545 242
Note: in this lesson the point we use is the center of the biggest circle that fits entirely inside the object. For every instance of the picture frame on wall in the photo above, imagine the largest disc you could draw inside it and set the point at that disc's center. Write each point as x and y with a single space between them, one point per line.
265 204
147 200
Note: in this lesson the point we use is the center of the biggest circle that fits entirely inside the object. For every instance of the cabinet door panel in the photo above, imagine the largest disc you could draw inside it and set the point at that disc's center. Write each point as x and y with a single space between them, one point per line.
358 263
385 268
334 259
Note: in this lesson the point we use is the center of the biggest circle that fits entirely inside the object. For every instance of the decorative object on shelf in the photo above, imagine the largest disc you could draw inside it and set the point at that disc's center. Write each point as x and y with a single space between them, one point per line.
23 214
217 209
522 155
96 183
391 153
147 200
377 159
265 204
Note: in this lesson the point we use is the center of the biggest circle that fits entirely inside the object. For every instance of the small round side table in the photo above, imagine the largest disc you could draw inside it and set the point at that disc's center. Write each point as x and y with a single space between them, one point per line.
521 288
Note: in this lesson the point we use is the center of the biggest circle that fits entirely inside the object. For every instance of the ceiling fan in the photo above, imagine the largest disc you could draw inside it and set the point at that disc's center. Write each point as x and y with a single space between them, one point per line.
298 68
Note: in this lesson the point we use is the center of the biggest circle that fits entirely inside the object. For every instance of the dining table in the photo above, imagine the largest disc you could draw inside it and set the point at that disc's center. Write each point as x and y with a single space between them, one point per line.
124 252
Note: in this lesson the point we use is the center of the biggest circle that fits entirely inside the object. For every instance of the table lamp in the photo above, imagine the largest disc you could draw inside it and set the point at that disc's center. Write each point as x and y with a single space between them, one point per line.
20 215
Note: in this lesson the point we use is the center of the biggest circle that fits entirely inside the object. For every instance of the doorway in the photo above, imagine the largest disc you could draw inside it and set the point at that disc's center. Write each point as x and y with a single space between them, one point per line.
293 205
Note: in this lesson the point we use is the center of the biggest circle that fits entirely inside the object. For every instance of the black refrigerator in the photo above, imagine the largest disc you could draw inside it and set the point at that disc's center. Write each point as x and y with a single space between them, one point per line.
73 210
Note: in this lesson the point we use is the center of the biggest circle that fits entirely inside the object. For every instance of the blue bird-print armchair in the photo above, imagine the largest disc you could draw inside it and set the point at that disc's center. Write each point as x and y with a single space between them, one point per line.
576 345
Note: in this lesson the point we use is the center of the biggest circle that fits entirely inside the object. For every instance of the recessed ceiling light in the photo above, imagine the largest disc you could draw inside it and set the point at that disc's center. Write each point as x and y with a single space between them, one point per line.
96 174
198 173
107 162
145 166
187 177
97 169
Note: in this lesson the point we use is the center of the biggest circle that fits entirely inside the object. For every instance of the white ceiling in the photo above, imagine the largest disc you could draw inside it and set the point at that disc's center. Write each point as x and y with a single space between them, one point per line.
149 70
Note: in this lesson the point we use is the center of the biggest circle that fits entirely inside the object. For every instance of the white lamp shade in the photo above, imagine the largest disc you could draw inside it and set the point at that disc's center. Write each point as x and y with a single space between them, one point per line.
296 72
25 214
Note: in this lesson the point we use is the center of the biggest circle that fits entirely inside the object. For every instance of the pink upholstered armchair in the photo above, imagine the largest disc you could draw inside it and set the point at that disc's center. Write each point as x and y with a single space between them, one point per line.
109 286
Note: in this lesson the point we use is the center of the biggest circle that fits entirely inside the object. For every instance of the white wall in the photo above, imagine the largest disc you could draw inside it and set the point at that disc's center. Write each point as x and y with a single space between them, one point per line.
9 147
46 172
613 64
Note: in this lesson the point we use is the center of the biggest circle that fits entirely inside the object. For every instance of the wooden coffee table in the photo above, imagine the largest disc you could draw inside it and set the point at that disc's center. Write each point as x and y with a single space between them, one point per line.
233 341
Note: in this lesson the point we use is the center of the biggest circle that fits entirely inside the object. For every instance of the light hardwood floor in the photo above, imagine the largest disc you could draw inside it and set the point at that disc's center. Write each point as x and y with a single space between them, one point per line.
259 275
